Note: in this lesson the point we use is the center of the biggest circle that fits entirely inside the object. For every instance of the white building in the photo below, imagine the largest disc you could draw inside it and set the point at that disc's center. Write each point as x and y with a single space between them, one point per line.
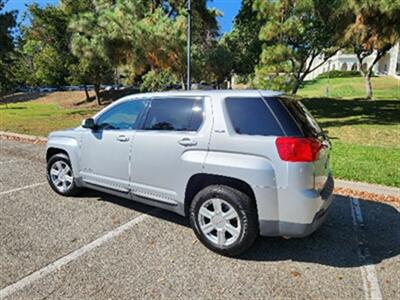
387 65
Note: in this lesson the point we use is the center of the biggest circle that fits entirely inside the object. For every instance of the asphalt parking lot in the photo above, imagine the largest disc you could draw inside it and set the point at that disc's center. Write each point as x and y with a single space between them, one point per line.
100 246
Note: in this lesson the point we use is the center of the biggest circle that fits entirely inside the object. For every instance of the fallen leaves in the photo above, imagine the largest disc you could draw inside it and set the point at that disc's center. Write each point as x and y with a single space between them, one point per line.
395 201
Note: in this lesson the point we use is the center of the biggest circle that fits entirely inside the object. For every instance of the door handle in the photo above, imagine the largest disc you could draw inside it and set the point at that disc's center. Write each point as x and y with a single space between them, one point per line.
123 138
187 142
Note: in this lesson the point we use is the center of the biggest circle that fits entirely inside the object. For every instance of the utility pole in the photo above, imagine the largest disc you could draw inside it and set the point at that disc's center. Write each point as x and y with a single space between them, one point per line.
189 46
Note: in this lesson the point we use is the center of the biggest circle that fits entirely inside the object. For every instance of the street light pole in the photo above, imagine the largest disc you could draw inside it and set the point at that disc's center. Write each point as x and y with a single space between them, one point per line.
189 46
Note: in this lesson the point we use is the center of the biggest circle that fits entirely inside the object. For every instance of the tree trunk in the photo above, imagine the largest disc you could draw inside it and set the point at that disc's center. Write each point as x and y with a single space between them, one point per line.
97 92
86 92
183 84
368 86
296 86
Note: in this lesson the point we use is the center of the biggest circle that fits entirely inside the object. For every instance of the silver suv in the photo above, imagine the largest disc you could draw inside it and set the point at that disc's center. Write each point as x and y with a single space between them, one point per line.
239 164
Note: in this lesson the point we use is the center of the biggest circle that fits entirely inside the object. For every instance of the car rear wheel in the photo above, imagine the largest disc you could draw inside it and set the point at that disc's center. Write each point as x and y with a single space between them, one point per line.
60 175
224 219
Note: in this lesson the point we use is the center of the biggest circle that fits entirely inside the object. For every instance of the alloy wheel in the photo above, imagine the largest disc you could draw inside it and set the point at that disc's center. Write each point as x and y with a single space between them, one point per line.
219 222
61 176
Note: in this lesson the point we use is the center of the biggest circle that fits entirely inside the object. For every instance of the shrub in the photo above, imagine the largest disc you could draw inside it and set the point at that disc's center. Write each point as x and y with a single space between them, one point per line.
338 73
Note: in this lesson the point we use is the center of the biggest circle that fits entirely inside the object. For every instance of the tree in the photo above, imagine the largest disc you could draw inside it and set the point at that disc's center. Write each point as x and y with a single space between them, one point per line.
243 43
158 80
373 31
219 63
153 36
89 42
43 48
7 23
294 34
137 36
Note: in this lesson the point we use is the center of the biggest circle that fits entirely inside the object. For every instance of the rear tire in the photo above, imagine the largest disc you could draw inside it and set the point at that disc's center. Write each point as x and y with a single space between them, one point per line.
60 175
224 219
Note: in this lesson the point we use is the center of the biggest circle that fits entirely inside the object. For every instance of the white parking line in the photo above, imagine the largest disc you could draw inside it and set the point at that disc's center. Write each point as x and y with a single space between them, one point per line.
368 272
22 188
26 281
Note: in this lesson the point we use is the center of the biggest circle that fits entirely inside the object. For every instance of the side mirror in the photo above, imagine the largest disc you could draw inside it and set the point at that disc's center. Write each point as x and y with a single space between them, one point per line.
89 123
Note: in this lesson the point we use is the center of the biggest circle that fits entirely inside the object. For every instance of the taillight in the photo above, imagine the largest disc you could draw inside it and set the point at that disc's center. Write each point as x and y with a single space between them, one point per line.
298 149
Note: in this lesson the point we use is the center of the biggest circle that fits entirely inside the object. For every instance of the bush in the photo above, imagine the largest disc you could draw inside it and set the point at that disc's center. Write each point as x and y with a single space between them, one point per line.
337 73
158 80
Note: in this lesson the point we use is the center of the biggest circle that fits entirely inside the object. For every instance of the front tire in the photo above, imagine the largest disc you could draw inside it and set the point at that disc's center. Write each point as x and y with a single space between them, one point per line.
224 219
60 175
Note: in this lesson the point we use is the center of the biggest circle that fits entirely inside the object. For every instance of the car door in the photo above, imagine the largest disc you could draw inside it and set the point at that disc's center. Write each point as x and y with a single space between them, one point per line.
106 151
170 146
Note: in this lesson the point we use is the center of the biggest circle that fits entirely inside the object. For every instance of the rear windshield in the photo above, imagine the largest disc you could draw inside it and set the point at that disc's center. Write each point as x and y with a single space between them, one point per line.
303 117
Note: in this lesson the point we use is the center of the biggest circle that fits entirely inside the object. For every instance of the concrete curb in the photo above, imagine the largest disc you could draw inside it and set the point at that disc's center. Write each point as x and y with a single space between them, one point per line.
367 187
22 137
339 183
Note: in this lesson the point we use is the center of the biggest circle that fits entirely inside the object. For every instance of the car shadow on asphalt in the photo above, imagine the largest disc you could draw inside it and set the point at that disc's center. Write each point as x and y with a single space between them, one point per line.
336 243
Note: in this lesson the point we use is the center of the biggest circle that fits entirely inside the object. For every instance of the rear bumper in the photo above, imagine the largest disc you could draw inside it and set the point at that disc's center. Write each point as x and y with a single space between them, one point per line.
294 229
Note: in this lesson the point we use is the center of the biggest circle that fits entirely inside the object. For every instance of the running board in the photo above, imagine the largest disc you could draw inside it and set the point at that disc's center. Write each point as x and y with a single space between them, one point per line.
107 186
138 195
157 200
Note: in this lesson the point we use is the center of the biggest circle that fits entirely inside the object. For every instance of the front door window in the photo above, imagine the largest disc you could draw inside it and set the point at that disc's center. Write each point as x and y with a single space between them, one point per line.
124 116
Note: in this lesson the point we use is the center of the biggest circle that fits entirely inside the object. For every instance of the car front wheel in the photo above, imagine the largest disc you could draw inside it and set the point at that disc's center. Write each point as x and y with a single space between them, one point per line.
224 219
60 175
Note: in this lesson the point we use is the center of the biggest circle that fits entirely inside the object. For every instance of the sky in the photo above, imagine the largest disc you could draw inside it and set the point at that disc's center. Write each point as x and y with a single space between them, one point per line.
228 7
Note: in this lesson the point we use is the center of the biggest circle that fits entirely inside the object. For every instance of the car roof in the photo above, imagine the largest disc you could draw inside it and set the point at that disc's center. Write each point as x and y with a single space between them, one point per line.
222 93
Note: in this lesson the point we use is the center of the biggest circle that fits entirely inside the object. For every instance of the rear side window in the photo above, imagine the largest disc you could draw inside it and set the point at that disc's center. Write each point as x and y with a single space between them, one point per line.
303 117
251 116
177 114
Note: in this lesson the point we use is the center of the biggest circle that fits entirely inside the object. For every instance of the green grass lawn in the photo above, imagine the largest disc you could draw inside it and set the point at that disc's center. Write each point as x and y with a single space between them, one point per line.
39 118
383 88
373 164
365 136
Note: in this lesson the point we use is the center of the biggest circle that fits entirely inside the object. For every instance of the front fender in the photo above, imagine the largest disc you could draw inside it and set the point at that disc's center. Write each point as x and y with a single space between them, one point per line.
69 145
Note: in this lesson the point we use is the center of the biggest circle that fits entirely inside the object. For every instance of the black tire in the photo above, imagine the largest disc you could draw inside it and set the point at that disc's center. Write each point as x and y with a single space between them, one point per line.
245 209
72 190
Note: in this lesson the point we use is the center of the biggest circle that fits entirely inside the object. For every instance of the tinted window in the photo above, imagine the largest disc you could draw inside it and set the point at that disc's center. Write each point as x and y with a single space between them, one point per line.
282 114
180 114
303 117
122 116
252 116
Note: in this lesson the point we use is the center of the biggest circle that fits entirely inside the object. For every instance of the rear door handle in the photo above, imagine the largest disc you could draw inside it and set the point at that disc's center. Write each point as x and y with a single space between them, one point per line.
187 142
123 138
